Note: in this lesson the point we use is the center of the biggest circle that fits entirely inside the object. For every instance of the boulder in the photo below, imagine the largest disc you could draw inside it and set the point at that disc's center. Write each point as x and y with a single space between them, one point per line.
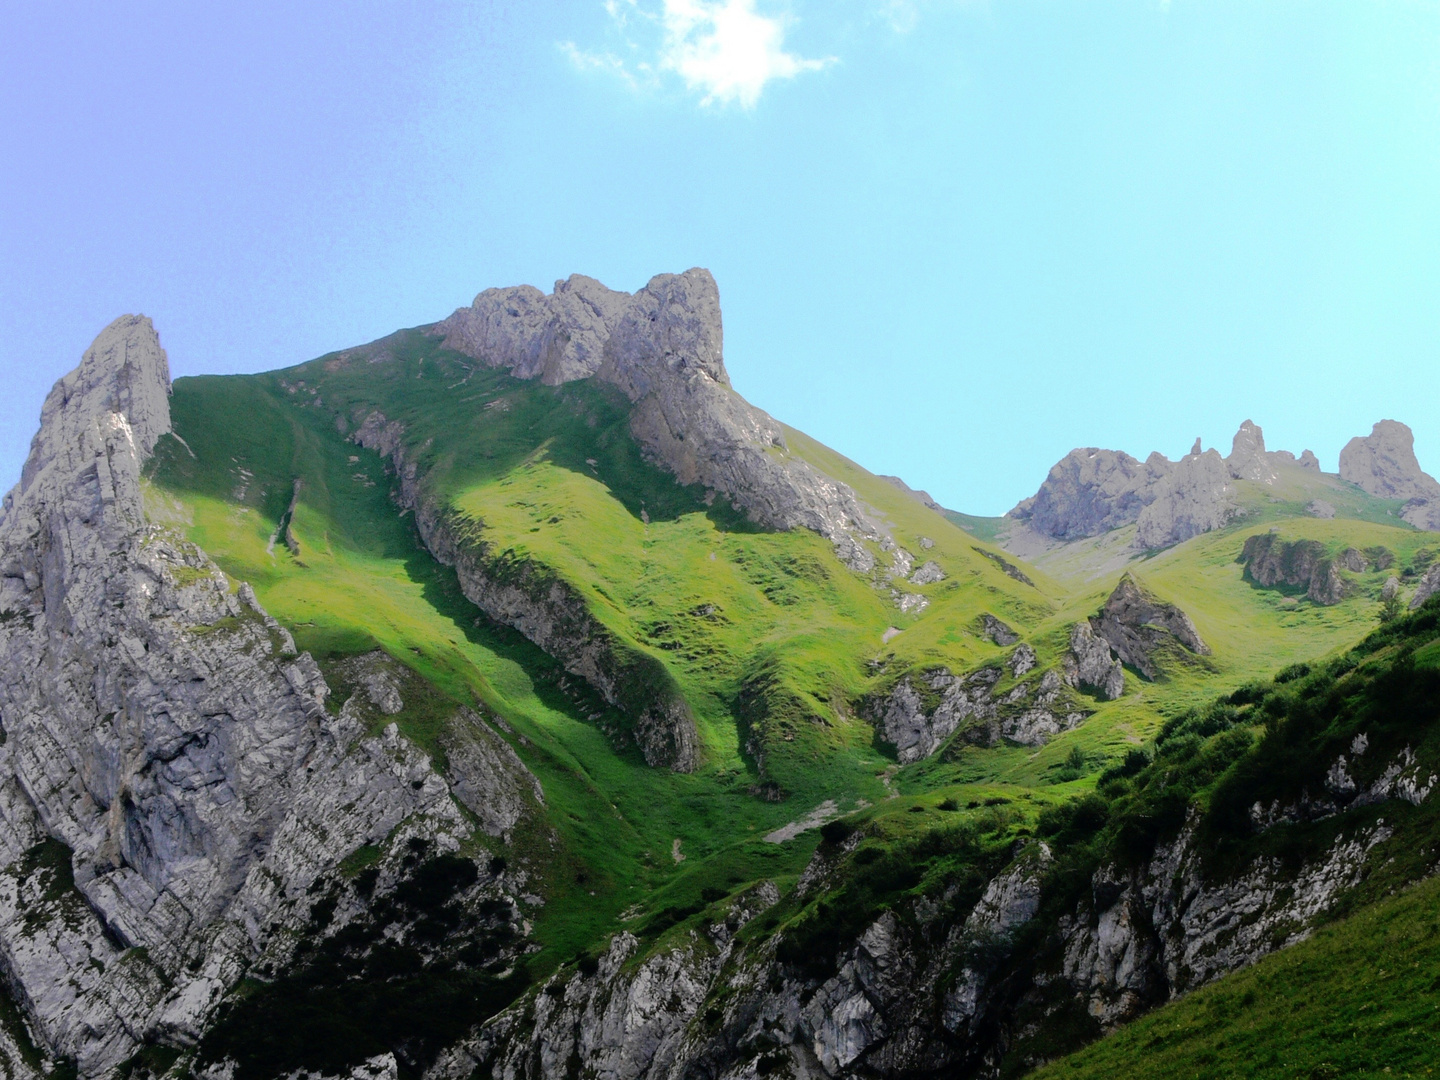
997 631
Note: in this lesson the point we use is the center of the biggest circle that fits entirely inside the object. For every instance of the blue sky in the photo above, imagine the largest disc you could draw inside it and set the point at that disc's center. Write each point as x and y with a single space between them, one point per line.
953 239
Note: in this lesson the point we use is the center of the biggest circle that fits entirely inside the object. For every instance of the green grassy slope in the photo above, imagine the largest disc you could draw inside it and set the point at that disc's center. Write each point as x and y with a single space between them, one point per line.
761 627
362 580
1359 999
773 643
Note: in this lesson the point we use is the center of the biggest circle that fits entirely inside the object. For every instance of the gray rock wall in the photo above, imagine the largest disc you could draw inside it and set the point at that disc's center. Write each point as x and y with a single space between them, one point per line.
171 783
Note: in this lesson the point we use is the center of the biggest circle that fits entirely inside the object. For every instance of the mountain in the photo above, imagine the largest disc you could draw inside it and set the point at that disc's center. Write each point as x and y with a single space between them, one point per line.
509 697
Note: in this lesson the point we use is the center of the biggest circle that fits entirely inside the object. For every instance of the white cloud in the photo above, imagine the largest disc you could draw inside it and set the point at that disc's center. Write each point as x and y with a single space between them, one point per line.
727 50
724 50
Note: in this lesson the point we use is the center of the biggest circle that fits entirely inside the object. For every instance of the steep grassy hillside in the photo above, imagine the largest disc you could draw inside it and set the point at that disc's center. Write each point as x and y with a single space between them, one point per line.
774 644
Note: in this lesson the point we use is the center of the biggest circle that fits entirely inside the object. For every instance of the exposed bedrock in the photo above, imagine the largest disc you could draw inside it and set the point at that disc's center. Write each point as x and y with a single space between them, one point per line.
1196 497
1091 491
1133 627
171 784
1138 626
1270 562
662 346
1091 665
548 611
1384 464
1428 587
947 984
924 708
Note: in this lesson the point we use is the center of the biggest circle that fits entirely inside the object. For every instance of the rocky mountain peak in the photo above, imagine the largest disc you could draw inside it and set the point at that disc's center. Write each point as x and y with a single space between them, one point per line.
1090 491
664 347
673 321
122 382
555 338
1384 463
1248 460
673 324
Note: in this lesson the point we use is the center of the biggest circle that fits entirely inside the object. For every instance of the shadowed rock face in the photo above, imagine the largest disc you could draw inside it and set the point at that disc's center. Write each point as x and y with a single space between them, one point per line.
1270 561
1137 624
1384 464
662 346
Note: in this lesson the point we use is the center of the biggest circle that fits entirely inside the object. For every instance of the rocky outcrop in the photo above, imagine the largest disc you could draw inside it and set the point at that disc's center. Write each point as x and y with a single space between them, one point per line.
1271 562
1197 496
1428 587
1139 627
171 781
922 710
933 987
623 1015
662 347
1384 464
548 611
998 632
1248 459
1090 491
1091 665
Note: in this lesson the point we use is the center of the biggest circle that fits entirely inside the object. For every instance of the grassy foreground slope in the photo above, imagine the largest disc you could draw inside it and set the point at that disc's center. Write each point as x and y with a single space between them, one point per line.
1358 999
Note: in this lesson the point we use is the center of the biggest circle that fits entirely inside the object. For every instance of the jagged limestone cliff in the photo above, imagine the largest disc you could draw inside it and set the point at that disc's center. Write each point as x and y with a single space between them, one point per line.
174 788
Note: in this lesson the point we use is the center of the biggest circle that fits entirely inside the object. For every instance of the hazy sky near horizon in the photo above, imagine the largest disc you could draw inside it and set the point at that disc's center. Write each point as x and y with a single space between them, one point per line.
953 239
